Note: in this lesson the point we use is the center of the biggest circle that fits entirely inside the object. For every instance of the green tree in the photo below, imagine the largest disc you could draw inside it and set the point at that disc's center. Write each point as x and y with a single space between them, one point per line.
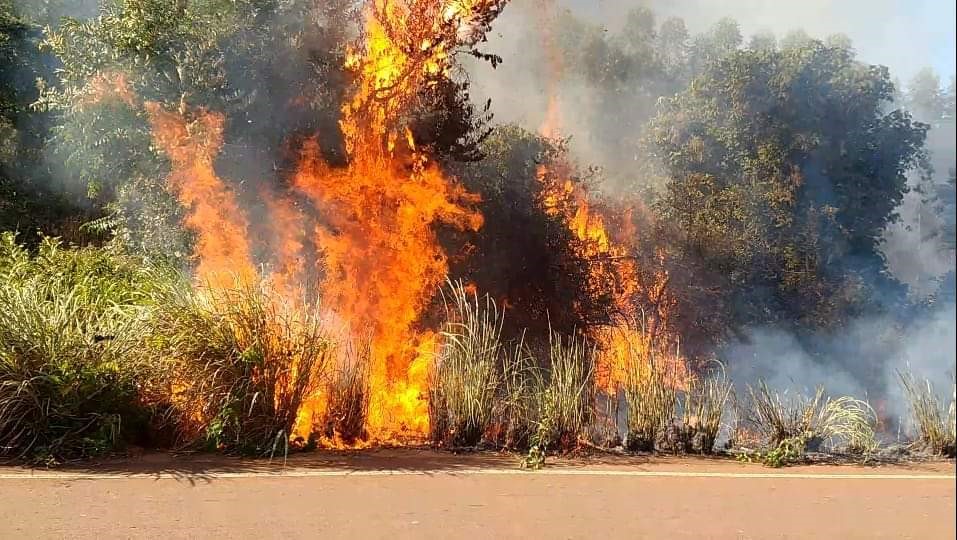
30 199
271 68
784 171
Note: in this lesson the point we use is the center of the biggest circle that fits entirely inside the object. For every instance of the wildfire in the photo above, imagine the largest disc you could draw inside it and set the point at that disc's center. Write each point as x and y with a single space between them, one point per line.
632 336
222 248
382 258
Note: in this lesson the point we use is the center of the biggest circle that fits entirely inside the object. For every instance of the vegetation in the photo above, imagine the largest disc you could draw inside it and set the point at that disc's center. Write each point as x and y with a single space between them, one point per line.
348 390
936 424
789 426
240 364
71 380
467 375
758 177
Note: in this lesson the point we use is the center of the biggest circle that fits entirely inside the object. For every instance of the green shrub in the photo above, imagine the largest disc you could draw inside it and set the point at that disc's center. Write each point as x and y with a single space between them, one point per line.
70 321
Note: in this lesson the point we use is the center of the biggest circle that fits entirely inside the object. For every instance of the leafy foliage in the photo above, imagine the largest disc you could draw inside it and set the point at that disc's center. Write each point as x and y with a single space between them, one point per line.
70 324
784 169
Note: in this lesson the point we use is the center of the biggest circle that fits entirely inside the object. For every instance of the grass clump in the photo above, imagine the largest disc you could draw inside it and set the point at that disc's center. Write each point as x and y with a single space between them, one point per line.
935 423
703 405
651 400
565 396
791 426
467 376
70 320
241 363
348 390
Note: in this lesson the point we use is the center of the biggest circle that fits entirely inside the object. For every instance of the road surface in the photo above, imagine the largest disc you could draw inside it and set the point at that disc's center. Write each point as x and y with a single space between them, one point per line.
417 494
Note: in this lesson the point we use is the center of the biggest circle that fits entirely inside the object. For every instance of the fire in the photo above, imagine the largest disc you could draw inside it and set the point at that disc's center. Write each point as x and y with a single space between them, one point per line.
109 85
631 336
222 249
289 264
382 259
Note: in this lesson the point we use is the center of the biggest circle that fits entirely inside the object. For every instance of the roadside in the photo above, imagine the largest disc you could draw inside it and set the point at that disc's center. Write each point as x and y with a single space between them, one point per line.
421 494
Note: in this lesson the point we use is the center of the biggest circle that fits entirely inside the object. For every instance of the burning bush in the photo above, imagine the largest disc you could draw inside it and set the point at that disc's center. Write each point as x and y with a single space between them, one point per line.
936 426
70 320
347 409
242 362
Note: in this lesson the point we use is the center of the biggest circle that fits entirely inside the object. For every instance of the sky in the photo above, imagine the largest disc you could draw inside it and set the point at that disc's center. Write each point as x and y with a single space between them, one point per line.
905 35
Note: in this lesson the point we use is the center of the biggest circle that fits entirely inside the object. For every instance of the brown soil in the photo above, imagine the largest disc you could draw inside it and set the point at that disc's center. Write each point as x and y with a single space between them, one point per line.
422 494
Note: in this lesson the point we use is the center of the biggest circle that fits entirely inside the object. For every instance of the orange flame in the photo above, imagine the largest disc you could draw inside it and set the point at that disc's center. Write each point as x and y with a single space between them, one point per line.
382 258
222 249
632 335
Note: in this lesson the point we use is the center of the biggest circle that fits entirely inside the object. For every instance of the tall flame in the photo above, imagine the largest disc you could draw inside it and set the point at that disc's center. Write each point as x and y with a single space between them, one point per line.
222 248
382 259
631 335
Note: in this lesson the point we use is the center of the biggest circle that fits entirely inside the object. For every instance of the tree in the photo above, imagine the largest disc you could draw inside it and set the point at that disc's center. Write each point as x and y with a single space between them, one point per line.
784 170
30 199
523 256
272 69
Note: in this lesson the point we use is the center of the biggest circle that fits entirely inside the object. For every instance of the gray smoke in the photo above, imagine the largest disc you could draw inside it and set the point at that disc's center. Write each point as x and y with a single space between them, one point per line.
863 359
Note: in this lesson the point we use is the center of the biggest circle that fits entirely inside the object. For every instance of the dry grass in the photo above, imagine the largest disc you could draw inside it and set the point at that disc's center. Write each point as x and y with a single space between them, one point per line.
348 389
466 377
842 423
566 391
651 399
241 363
517 408
703 405
936 424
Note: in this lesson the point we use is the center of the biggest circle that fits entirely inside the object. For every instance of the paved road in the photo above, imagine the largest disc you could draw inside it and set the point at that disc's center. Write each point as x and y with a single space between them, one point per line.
427 496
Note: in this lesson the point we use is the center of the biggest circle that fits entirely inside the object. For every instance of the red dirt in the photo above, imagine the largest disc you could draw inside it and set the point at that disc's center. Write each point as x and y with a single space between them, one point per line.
420 494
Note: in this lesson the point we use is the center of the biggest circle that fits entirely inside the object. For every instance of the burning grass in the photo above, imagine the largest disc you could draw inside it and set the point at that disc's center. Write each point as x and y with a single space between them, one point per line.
242 362
935 423
347 409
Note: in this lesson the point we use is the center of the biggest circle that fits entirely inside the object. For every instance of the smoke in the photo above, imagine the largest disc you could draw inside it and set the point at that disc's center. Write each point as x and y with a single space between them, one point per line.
864 360
604 119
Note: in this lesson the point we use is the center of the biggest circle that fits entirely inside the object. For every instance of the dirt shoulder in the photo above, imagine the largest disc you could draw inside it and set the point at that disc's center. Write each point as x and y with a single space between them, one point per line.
410 460
422 494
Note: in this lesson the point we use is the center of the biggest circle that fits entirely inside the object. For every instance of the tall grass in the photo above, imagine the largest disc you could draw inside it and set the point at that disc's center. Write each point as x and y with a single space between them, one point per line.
936 424
466 377
70 320
703 405
241 363
517 410
810 422
567 390
347 408
651 399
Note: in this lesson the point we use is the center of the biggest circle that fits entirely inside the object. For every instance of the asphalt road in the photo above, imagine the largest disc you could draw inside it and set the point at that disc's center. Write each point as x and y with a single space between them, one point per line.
408 494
